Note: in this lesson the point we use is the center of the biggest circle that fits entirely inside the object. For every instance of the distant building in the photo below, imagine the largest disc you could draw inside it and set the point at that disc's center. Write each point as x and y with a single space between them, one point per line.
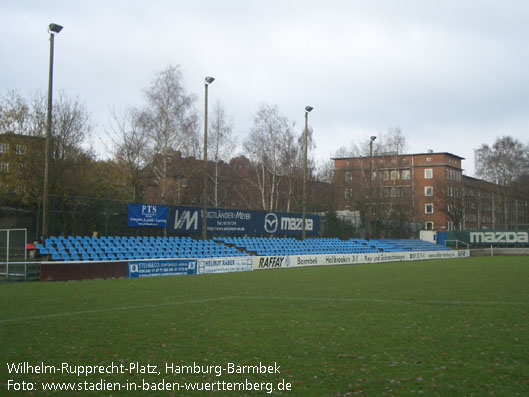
428 188
21 167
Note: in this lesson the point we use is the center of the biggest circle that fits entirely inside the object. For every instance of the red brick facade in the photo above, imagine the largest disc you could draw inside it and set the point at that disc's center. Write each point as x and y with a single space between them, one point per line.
431 189
416 181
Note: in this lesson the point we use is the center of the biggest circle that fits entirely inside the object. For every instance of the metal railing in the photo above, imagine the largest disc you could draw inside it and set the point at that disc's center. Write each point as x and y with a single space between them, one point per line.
457 243
19 271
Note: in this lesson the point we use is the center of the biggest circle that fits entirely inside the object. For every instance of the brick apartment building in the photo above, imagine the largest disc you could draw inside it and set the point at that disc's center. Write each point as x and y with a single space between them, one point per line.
21 165
426 188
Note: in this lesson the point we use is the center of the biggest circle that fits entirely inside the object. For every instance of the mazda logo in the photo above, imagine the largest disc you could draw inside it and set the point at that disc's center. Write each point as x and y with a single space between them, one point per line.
270 223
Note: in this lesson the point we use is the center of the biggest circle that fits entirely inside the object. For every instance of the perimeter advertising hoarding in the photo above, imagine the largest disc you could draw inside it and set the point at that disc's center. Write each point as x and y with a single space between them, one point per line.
188 220
224 265
184 267
156 268
272 262
497 238
147 215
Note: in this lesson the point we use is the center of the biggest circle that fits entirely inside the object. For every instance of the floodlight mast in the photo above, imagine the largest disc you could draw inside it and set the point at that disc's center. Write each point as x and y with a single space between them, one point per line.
305 138
207 81
53 29
369 207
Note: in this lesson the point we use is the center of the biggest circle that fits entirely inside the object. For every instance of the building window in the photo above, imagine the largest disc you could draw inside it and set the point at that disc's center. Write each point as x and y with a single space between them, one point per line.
348 193
394 175
403 161
428 173
428 191
385 175
428 208
428 225
4 147
20 149
405 174
348 177
428 159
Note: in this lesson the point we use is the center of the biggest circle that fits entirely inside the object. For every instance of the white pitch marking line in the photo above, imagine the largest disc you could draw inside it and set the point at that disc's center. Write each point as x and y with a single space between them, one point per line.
396 301
114 309
321 299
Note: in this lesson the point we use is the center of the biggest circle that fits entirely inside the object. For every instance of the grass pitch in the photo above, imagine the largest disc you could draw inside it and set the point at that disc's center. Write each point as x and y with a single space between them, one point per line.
436 328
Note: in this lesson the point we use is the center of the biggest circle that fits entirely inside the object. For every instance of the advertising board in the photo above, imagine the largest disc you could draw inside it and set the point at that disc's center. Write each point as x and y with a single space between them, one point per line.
497 238
271 262
147 215
162 267
188 220
224 265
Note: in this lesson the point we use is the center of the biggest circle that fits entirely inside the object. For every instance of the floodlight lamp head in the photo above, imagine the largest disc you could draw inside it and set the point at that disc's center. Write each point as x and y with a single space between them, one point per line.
209 79
54 28
308 108
373 138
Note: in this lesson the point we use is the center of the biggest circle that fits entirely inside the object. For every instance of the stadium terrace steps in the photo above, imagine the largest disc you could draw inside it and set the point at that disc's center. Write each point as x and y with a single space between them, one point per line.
112 248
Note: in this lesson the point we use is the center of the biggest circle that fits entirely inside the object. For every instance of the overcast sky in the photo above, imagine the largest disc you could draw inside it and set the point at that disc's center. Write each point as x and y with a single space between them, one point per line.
450 74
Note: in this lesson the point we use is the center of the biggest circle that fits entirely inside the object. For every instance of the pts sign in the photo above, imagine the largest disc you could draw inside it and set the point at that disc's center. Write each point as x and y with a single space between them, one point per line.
499 237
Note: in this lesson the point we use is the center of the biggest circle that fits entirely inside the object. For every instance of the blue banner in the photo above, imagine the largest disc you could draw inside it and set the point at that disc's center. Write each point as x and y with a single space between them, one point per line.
188 220
155 268
286 223
148 215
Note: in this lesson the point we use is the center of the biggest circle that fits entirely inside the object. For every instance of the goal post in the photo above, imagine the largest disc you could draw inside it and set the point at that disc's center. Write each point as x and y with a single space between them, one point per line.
13 253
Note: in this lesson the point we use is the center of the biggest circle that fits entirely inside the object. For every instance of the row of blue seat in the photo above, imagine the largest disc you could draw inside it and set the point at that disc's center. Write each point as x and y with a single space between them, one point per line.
128 248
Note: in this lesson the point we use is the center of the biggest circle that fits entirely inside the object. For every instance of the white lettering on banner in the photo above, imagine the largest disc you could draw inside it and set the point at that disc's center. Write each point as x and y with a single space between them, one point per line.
190 220
148 209
499 237
223 214
296 224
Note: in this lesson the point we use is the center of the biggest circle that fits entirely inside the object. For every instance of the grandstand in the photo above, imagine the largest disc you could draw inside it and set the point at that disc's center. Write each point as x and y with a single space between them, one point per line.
109 248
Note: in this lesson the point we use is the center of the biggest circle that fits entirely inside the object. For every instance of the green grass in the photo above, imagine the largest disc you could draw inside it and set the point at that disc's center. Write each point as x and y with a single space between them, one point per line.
438 327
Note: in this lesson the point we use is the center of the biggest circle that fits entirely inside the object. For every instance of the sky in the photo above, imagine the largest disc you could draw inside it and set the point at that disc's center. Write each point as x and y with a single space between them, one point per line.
451 74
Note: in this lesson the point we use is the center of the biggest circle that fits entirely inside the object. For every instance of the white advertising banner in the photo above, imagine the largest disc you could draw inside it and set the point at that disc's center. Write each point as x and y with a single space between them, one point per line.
224 265
270 262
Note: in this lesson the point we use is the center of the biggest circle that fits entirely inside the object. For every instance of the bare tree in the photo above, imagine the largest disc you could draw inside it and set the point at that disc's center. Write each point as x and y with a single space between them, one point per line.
449 196
170 120
504 164
130 147
15 114
266 146
71 127
221 144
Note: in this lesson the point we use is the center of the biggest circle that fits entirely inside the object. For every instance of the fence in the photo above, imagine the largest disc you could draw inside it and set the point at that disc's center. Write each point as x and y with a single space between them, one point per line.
14 265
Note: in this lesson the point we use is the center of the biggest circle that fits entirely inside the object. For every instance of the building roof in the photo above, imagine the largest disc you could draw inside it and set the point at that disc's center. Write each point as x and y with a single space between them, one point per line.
402 154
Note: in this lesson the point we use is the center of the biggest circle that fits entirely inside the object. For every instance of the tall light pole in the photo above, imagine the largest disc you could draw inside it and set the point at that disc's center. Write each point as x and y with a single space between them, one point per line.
207 81
53 30
305 138
370 186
